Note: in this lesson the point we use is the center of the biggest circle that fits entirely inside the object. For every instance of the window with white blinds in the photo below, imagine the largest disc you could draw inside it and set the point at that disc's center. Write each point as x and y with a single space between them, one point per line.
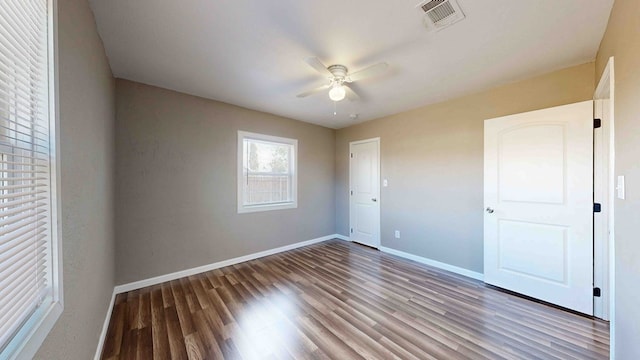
28 283
267 175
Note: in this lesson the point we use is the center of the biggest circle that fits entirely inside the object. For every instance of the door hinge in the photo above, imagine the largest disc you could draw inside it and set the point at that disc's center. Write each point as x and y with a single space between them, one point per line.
352 230
352 155
597 123
597 208
597 292
351 192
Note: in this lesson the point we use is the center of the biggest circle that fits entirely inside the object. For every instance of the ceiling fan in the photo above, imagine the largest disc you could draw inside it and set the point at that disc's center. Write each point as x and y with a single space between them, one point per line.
340 78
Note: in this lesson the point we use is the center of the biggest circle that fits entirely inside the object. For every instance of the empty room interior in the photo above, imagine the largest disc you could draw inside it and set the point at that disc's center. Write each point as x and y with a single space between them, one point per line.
436 179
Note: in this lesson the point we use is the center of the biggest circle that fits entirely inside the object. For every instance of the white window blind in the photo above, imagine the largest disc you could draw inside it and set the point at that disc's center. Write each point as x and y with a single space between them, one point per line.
26 236
267 176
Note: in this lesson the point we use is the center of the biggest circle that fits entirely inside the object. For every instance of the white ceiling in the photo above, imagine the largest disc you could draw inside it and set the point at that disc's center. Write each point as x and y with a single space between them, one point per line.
250 52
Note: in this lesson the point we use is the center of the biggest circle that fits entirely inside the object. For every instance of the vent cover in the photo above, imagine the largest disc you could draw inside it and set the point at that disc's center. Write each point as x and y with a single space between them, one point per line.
438 14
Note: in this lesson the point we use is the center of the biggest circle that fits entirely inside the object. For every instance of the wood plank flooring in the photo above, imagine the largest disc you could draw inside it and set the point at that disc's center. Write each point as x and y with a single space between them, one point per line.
337 300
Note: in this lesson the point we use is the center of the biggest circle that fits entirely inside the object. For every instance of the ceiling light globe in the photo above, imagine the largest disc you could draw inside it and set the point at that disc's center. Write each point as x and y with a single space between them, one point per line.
337 93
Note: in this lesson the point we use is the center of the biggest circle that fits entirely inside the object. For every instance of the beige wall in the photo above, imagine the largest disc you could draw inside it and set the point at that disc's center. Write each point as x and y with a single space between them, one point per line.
433 159
176 183
622 40
87 112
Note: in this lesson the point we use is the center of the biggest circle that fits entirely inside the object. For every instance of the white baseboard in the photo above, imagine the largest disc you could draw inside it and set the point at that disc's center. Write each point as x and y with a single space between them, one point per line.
434 263
341 237
197 270
105 327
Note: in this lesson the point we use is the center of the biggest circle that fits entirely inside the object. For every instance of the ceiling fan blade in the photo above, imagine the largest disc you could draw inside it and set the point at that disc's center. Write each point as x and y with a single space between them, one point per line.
315 63
351 95
314 91
370 71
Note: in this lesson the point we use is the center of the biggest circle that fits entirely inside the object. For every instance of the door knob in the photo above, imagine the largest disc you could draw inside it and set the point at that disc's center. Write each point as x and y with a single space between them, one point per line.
490 210
374 199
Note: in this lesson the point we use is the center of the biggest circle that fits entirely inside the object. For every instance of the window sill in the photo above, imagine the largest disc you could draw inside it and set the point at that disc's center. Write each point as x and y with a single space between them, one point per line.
269 207
29 339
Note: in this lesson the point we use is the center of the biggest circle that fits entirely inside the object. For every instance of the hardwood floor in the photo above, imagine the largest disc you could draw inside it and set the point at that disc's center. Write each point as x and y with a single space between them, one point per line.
338 300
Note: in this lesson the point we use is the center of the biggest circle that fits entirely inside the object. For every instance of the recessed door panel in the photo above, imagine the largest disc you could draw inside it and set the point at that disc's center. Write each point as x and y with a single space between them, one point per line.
365 220
364 172
538 251
531 164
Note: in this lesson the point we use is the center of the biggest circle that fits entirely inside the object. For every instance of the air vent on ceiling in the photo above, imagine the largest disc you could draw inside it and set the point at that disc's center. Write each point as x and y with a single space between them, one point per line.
439 14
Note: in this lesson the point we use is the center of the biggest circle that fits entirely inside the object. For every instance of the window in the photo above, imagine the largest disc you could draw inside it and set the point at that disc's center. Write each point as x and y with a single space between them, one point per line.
30 288
267 174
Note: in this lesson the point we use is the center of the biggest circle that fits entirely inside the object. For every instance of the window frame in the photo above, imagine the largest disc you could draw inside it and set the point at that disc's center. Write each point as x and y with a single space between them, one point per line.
242 208
27 341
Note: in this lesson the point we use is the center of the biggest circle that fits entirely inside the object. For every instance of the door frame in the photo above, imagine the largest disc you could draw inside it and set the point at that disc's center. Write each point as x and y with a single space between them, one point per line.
601 196
351 144
604 267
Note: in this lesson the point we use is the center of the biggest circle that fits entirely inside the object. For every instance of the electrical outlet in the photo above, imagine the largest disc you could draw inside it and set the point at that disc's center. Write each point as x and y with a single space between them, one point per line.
397 234
385 183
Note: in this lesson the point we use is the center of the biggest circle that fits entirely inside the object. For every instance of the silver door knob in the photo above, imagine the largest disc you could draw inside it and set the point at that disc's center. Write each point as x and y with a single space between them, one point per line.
374 199
490 210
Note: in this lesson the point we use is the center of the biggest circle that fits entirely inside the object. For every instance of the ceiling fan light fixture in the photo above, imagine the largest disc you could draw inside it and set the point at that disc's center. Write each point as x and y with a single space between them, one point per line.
337 93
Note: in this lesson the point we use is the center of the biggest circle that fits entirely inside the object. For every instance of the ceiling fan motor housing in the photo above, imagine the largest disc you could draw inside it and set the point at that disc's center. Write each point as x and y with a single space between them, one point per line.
339 72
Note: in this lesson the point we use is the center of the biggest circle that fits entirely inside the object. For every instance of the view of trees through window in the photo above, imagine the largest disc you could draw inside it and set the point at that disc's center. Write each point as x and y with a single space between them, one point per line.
268 157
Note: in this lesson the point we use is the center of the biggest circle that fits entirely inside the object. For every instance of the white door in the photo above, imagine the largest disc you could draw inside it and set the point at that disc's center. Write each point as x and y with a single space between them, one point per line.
538 193
364 187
